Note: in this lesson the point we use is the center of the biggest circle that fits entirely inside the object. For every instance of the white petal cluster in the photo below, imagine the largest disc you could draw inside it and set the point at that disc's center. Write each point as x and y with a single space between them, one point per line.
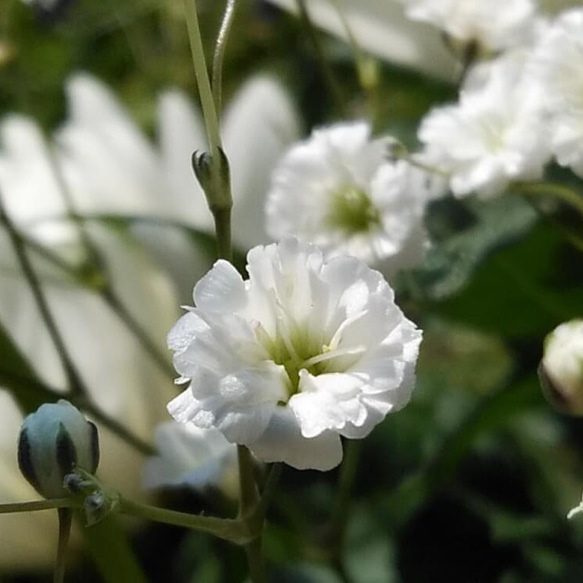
304 351
561 368
338 190
557 71
188 456
494 135
491 24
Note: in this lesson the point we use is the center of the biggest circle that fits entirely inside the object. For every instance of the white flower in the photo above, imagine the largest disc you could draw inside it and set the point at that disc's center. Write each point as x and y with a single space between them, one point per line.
557 70
492 24
561 369
494 135
301 353
381 28
338 190
188 456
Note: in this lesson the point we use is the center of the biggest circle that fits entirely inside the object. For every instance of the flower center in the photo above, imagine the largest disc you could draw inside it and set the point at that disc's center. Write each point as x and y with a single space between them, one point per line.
294 349
352 211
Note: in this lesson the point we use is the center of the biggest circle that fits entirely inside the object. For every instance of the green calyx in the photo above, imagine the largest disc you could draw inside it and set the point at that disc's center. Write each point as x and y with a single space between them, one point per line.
352 211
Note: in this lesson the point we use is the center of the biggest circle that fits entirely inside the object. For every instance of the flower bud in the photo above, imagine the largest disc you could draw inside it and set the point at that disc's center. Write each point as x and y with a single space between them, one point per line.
54 441
561 369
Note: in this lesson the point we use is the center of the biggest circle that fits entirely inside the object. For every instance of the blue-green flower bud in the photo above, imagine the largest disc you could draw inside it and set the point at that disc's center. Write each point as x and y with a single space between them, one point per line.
54 441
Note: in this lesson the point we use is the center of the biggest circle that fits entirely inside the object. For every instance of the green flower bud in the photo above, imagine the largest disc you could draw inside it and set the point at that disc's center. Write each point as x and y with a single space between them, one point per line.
54 441
561 369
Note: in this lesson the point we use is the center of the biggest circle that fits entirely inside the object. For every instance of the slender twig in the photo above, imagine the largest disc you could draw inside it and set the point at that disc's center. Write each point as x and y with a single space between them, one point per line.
329 78
65 522
15 383
37 505
76 383
219 56
108 296
558 191
233 530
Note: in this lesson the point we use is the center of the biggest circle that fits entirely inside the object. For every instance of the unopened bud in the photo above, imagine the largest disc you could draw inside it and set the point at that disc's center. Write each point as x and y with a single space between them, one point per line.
561 369
214 177
54 441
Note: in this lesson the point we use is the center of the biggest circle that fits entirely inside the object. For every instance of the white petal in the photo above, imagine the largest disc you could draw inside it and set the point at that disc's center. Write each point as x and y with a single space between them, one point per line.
282 441
221 289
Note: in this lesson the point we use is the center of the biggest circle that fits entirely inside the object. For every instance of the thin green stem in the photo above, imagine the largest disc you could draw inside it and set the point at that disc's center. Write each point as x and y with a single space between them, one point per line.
37 505
558 191
248 495
365 69
222 219
254 553
327 72
341 512
15 384
235 531
76 383
219 56
65 522
108 296
204 87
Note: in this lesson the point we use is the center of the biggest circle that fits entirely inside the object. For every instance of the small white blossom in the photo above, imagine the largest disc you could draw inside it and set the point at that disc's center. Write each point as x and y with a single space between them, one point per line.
492 24
494 135
338 190
188 456
557 70
561 370
301 353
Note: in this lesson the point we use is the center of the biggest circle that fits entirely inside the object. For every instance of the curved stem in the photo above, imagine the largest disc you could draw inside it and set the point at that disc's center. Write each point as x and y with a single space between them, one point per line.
558 191
15 383
219 56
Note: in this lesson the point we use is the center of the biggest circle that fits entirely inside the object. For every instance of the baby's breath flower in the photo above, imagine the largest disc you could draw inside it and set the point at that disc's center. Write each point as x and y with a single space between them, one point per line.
338 190
494 135
304 351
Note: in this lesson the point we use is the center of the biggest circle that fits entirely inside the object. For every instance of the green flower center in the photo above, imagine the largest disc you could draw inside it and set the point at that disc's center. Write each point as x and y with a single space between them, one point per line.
352 211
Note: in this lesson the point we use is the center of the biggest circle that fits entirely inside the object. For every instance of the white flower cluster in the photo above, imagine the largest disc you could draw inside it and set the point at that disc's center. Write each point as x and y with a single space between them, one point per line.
514 114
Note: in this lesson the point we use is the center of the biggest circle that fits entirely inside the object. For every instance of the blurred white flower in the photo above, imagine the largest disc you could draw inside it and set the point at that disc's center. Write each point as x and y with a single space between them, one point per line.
561 368
110 168
188 456
120 375
381 28
557 71
492 24
301 353
338 191
494 135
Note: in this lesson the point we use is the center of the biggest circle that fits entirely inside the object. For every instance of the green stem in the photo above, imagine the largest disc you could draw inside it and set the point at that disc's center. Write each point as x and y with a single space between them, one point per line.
37 505
15 384
222 219
348 471
65 522
202 79
219 56
77 386
329 77
558 191
235 531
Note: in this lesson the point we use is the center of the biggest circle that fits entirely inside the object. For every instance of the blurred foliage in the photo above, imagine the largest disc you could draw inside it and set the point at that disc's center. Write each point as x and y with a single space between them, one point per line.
472 481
